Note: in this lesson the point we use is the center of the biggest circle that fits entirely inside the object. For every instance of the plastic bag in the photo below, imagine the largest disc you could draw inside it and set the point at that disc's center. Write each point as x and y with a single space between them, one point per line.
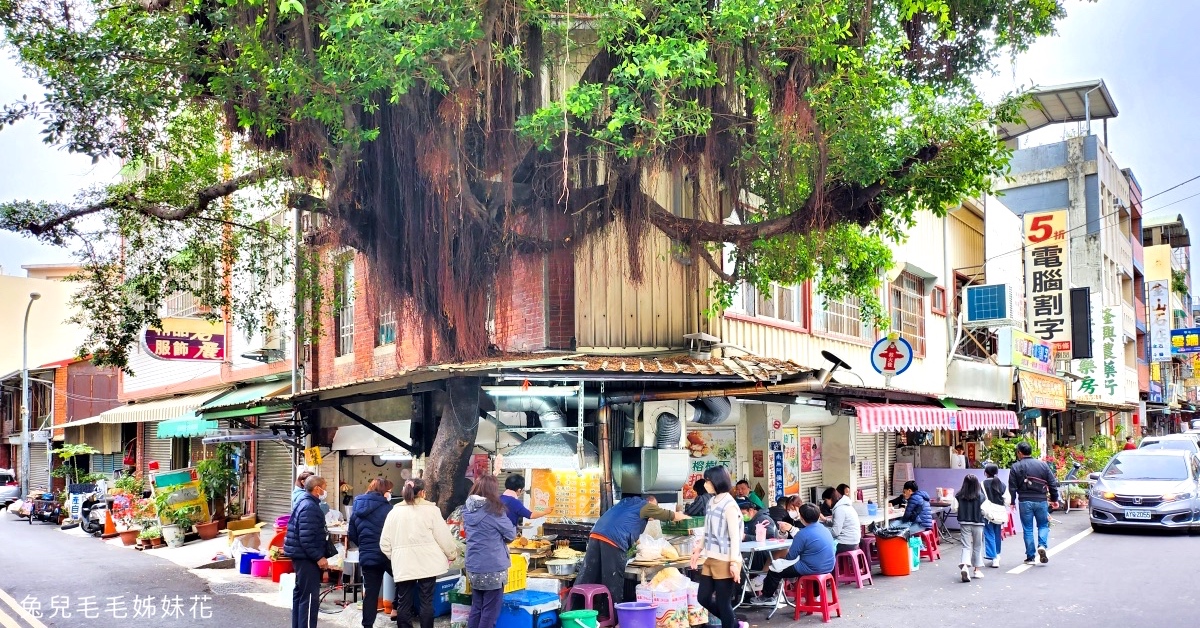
653 528
650 548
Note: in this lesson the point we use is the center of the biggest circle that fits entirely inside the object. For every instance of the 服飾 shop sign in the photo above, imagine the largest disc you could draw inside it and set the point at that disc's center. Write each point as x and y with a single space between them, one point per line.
1048 278
181 339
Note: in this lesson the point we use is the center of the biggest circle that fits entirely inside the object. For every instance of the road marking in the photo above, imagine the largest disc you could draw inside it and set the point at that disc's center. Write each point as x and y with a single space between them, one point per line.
1054 550
19 610
6 621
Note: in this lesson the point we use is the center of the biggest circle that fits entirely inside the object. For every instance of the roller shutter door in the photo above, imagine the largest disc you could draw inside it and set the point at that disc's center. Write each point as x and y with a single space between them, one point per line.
155 448
39 479
274 466
876 453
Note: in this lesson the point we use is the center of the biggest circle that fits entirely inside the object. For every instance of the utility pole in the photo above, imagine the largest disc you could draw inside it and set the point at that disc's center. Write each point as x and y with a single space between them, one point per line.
33 296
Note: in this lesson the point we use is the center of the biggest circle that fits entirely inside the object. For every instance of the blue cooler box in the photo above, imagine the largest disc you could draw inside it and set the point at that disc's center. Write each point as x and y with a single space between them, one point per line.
529 609
441 595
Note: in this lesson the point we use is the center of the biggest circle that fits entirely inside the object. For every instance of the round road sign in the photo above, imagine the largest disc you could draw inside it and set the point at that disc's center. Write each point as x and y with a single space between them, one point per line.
892 355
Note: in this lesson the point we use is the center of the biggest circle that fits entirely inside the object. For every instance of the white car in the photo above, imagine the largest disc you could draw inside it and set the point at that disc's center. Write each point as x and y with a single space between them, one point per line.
10 491
1185 442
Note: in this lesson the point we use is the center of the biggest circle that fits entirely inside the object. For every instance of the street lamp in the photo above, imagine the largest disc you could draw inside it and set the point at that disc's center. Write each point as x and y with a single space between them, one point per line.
33 296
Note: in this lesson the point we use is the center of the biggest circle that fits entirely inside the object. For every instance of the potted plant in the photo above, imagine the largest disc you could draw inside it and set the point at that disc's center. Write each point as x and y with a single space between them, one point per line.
171 518
153 535
124 515
216 478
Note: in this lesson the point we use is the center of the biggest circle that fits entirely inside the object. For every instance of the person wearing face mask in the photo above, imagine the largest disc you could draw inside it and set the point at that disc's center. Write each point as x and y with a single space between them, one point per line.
366 527
787 515
298 490
307 544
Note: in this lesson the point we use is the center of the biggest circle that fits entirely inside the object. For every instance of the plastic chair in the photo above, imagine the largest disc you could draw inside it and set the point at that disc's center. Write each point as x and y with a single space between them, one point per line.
1008 529
351 581
929 546
870 547
852 568
818 594
587 594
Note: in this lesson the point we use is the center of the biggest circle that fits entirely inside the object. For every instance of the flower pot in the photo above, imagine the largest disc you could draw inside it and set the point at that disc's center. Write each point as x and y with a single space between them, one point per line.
172 535
207 530
129 537
156 542
221 522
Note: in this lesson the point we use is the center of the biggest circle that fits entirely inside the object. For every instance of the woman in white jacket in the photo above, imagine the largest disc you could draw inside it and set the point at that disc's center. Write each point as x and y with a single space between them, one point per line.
846 528
421 547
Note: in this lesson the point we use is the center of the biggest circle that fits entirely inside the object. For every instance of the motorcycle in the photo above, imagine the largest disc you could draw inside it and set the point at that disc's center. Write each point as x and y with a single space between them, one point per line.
93 514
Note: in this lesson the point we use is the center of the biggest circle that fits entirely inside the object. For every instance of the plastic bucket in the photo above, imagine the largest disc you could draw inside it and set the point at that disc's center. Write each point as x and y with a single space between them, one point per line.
894 558
914 549
244 561
636 614
582 619
280 567
260 568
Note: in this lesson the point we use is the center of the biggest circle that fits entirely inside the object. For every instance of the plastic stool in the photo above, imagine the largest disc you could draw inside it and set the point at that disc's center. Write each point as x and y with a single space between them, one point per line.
852 567
929 547
587 594
1008 529
818 594
870 547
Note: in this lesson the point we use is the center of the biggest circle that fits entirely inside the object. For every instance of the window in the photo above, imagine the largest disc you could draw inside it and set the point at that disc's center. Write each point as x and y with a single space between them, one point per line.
784 303
908 311
938 303
385 329
843 317
343 294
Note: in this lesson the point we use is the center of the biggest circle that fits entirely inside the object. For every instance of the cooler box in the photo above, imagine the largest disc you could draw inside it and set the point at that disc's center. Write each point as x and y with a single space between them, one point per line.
441 595
529 609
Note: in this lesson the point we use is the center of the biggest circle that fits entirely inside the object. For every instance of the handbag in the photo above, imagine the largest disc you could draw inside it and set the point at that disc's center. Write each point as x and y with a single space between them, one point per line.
993 512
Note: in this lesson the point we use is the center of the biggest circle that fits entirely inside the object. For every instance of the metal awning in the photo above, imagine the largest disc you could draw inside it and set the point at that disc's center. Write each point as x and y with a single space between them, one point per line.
159 410
185 426
358 440
1074 102
82 422
247 401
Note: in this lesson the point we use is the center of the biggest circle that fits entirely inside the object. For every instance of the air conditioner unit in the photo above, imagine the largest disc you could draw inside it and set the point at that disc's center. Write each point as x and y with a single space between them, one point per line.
991 305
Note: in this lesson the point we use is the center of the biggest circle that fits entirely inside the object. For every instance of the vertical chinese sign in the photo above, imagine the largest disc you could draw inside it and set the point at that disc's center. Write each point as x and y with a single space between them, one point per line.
1102 375
1048 278
1158 306
193 339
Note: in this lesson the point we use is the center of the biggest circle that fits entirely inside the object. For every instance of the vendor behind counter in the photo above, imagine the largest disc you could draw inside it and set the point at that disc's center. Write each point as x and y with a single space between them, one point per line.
612 537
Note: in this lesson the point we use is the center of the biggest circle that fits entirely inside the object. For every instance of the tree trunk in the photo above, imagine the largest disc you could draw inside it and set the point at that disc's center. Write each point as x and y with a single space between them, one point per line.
446 470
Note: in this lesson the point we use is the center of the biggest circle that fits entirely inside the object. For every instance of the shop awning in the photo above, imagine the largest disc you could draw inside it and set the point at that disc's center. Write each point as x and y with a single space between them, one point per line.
82 422
899 417
972 419
247 401
356 440
185 426
160 410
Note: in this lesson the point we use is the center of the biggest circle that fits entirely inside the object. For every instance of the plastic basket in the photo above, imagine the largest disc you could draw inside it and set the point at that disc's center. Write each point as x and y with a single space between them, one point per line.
517 573
683 527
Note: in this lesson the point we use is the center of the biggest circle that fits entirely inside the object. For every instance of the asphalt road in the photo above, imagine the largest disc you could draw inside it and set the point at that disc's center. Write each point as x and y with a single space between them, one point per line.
100 586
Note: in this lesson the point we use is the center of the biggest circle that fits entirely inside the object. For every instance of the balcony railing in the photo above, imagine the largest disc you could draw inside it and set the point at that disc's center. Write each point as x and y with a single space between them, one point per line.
1128 320
1123 252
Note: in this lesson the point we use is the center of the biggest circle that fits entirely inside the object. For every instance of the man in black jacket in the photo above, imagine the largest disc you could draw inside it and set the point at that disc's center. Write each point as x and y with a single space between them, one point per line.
1030 481
305 543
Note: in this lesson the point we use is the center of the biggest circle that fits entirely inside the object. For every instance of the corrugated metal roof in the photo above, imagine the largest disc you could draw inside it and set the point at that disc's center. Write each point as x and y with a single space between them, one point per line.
1059 104
245 396
747 367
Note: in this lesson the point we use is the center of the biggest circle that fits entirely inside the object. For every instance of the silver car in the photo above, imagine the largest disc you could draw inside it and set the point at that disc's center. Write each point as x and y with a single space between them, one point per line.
10 491
1147 488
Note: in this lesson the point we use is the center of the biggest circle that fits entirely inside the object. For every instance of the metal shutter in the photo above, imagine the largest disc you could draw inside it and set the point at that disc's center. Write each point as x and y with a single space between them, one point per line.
880 450
809 479
105 463
275 466
155 448
39 478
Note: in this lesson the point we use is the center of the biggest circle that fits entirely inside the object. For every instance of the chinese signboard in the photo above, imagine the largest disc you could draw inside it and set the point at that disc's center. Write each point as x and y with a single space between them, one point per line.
1158 304
1041 391
566 494
810 454
1048 278
709 448
186 339
1185 341
1026 352
791 461
183 490
1103 374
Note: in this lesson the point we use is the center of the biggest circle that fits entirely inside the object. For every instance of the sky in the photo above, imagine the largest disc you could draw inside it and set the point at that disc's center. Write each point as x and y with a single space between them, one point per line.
1145 50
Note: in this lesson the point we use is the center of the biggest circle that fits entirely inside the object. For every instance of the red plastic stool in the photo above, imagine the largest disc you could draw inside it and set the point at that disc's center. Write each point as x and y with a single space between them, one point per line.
587 594
870 547
852 568
1008 529
818 594
929 546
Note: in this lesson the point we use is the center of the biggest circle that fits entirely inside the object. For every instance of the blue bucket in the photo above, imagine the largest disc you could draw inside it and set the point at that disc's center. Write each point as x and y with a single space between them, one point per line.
244 561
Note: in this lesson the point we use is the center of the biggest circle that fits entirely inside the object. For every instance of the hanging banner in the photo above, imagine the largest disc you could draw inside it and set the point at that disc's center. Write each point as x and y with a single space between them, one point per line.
777 457
1048 278
1043 391
709 448
791 461
1158 306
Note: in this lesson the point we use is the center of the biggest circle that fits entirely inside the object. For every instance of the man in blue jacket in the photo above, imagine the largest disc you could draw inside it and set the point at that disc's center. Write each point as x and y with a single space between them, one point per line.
812 553
615 532
305 544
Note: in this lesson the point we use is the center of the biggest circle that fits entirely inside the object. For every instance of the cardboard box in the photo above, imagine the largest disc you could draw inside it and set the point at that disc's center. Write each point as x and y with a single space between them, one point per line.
672 611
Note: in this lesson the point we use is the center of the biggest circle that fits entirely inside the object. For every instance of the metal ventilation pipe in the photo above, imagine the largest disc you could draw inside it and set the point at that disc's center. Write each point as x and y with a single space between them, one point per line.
548 412
712 410
668 432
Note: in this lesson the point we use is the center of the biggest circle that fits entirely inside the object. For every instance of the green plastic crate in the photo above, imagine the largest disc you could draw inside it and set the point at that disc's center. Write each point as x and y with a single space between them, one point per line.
460 598
683 527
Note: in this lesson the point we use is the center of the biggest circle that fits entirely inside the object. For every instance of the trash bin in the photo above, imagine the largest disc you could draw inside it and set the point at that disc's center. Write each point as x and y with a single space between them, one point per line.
894 557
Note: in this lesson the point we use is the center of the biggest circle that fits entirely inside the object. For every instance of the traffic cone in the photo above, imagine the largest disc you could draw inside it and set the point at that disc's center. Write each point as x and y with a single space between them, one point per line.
110 527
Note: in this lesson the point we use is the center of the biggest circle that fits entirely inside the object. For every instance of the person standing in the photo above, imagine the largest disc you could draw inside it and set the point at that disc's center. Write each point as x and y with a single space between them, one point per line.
971 521
489 531
1129 444
514 490
1033 486
615 532
366 529
306 543
298 491
993 535
420 546
719 558
846 528
811 553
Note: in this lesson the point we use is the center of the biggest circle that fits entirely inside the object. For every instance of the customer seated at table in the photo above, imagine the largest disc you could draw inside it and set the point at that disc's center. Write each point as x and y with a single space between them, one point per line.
742 491
844 491
787 515
828 498
753 516
846 527
918 514
811 553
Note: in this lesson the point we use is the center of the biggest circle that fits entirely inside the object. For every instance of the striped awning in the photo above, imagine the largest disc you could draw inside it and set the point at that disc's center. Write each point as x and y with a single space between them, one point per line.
899 417
972 419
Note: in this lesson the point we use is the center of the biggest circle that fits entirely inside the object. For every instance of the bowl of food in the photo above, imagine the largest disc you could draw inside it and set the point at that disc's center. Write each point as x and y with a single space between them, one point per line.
562 566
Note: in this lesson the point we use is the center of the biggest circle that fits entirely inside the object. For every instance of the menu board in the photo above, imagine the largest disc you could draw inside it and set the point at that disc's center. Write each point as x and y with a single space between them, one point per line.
709 448
566 494
791 461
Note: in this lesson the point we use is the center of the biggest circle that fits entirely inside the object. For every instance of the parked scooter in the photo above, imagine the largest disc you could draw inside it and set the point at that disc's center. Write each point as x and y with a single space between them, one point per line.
93 513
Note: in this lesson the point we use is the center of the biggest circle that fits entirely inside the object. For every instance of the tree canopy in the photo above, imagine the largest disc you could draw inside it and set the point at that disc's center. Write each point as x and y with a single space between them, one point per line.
429 133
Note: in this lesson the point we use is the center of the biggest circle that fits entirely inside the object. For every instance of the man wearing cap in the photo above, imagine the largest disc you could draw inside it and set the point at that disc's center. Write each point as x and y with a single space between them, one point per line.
753 516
